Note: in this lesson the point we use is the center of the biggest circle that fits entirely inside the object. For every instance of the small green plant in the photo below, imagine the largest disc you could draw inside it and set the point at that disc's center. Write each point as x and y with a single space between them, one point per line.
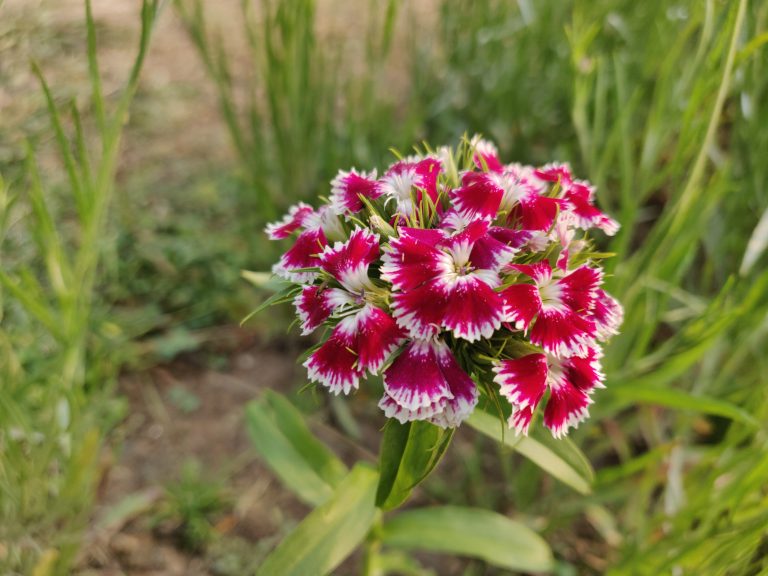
190 505
52 410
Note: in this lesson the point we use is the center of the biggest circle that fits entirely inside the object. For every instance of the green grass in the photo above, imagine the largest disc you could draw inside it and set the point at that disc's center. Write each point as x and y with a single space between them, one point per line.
663 106
56 370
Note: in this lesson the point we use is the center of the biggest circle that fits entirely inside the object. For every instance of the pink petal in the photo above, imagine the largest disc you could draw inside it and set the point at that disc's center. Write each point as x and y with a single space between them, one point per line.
578 289
421 310
566 407
378 337
541 272
415 379
406 181
496 249
585 373
348 187
295 219
521 304
348 262
334 364
304 254
523 381
479 196
607 315
428 170
535 212
579 202
312 307
486 155
555 172
474 310
413 259
520 419
562 332
455 410
392 409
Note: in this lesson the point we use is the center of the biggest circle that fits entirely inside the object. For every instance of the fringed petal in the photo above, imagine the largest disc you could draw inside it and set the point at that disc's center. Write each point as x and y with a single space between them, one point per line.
313 307
305 253
348 262
348 188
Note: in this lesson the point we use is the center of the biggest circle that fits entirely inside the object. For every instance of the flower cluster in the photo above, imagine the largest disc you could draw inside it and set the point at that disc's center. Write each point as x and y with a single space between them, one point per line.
454 274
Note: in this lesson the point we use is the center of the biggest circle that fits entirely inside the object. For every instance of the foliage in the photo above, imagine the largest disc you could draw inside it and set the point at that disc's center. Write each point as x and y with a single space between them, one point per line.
54 371
190 503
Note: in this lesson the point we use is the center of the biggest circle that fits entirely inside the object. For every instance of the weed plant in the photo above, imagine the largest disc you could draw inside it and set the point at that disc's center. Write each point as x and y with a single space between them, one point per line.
55 375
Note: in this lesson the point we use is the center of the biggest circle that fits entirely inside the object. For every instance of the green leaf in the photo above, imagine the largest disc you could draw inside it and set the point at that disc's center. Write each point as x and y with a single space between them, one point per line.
330 533
470 532
302 463
682 400
555 462
409 452
286 294
291 423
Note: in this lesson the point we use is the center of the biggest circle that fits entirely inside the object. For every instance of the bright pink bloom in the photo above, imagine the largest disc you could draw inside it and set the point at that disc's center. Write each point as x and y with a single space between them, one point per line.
305 253
408 180
487 155
579 198
360 343
313 307
425 383
348 261
560 307
479 196
570 381
607 314
314 227
348 187
440 285
296 218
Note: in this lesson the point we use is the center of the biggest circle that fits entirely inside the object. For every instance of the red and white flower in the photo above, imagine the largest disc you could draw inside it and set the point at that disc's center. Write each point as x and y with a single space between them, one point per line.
439 282
570 381
315 227
461 245
366 335
425 383
557 307
360 343
579 198
406 182
348 188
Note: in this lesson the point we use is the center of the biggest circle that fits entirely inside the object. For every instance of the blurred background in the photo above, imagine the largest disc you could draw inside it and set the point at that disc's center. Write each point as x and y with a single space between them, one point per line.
124 226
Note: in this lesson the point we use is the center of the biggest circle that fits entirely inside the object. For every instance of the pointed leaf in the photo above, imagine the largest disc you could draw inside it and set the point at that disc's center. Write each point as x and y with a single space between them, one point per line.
682 400
291 423
330 533
283 457
543 456
409 452
470 532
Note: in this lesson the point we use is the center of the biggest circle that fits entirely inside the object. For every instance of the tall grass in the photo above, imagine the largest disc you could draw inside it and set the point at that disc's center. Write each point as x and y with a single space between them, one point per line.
298 109
52 410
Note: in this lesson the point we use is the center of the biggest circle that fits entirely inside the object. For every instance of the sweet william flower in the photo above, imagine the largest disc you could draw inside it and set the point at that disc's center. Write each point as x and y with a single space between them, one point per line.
570 382
426 383
557 307
447 282
365 336
449 269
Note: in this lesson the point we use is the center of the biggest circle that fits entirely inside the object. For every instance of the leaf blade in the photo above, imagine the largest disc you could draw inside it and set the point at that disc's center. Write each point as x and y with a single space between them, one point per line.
473 532
329 533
